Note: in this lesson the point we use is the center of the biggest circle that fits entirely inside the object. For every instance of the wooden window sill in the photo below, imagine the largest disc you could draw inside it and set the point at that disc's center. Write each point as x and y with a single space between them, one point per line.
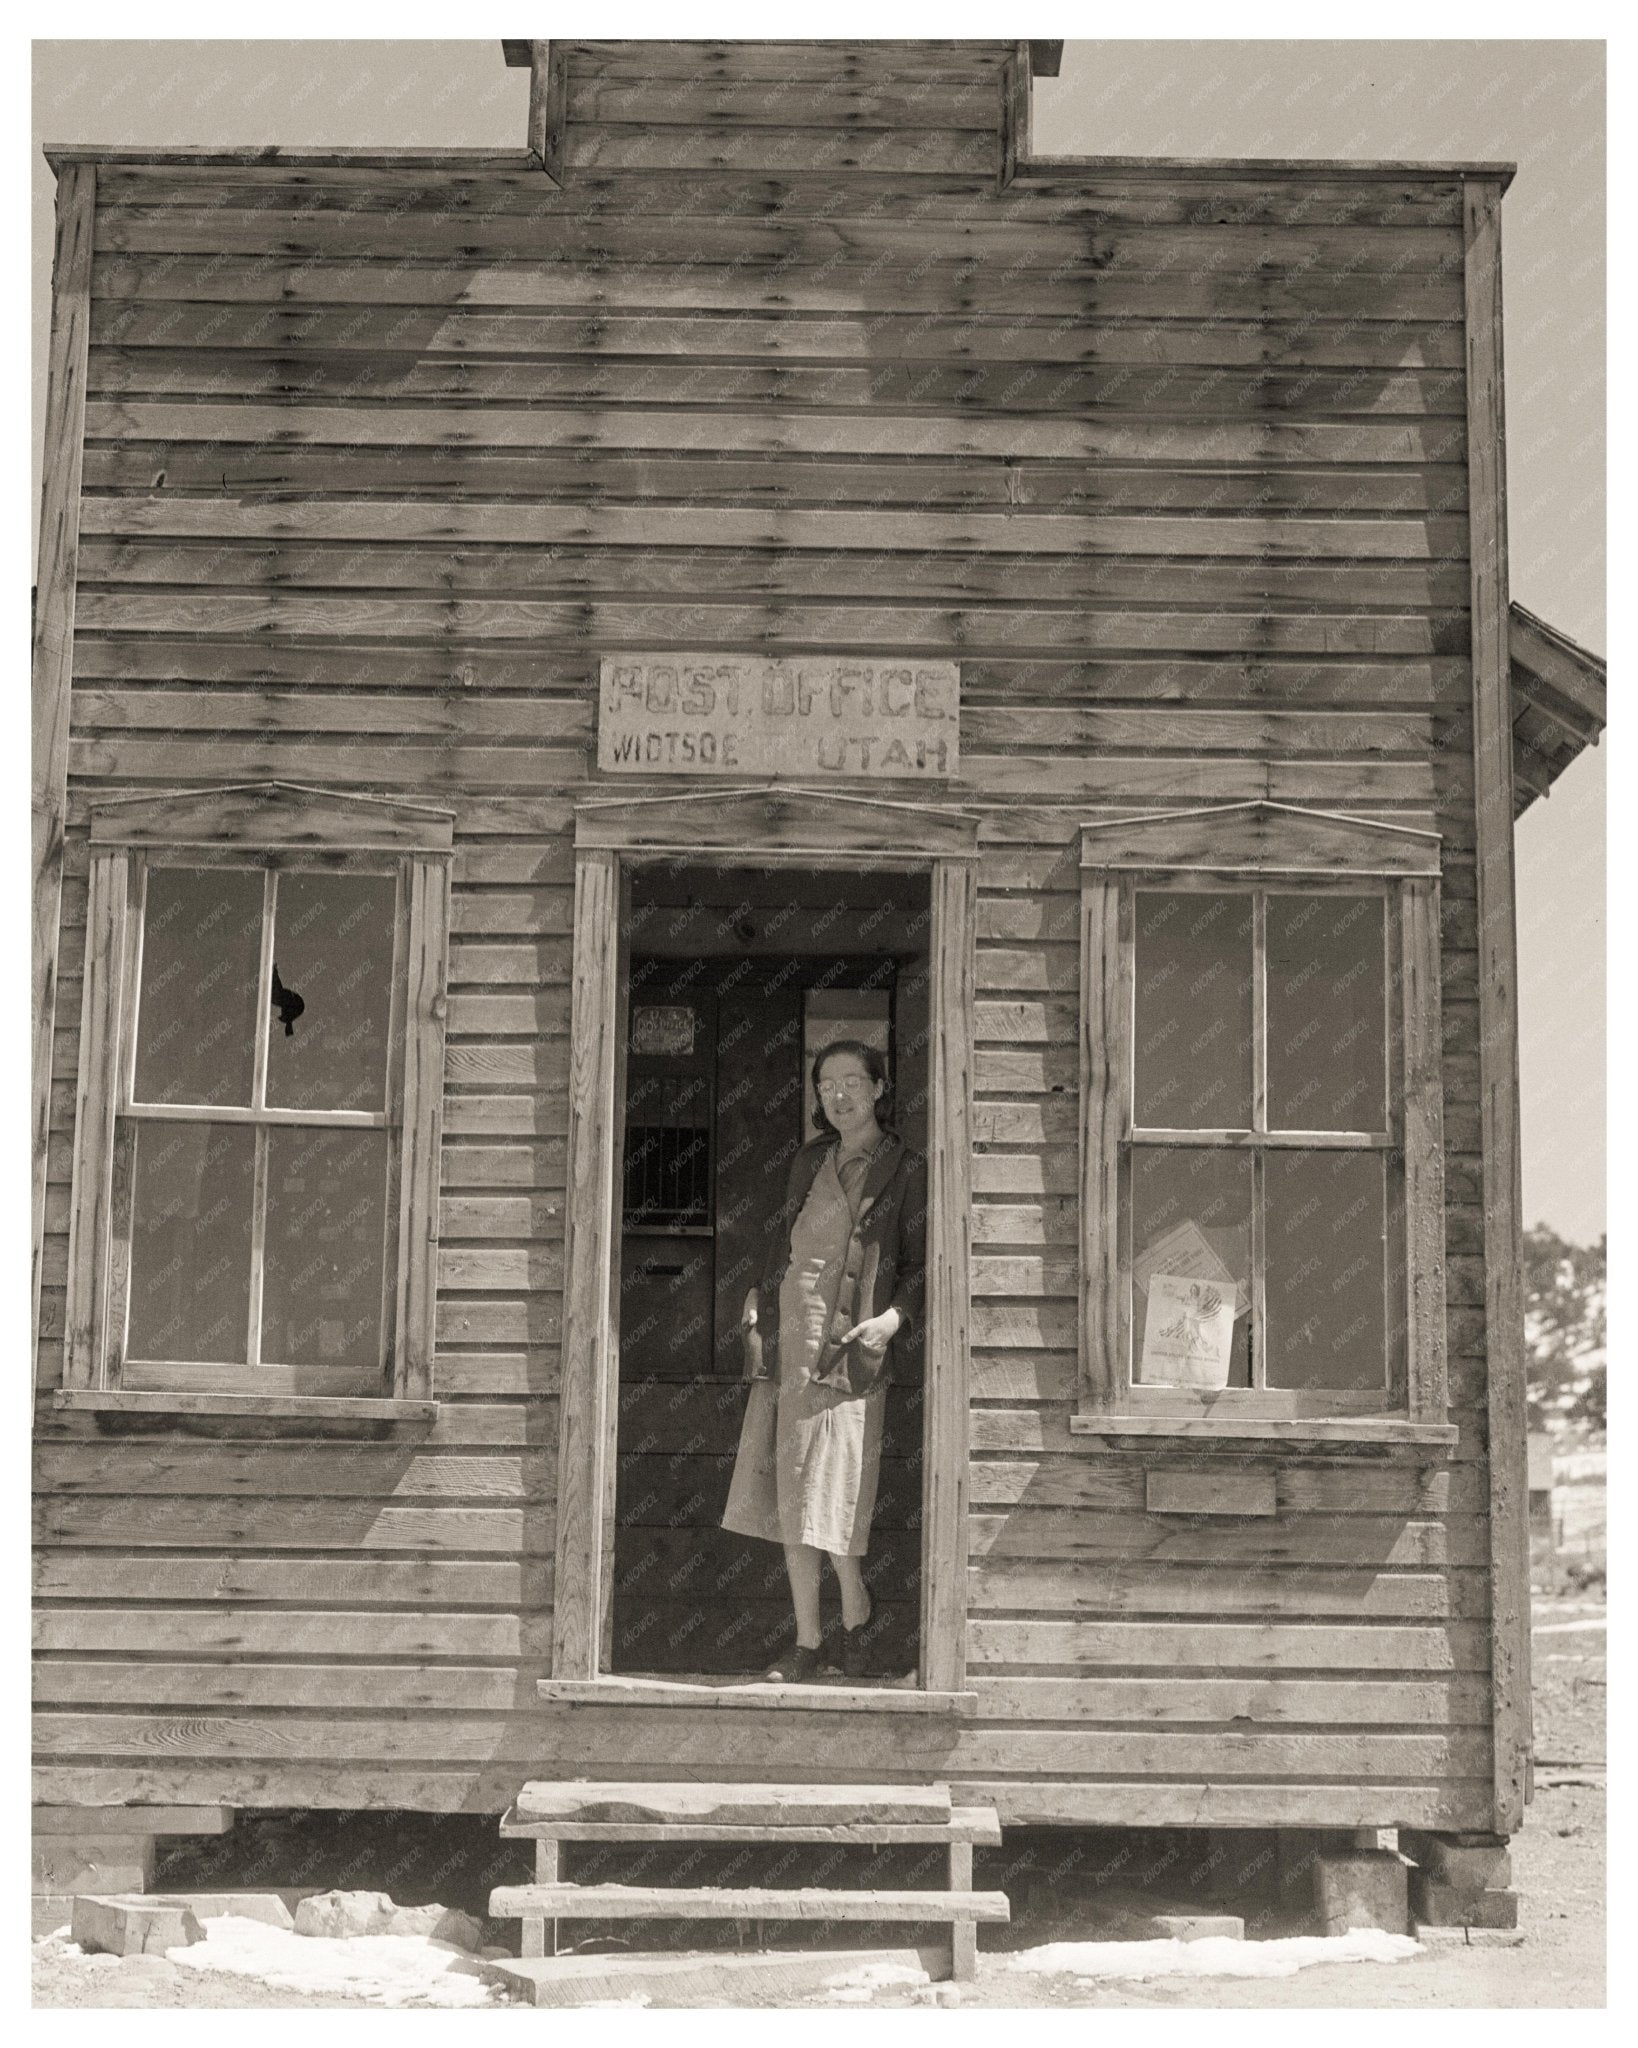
366 1410
617 1690
1336 1432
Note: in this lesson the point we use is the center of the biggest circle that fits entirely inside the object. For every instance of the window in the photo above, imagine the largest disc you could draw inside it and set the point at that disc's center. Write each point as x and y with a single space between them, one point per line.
1262 1137
255 1177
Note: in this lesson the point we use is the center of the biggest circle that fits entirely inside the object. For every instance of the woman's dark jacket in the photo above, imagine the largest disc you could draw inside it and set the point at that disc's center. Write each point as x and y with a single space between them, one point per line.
885 1266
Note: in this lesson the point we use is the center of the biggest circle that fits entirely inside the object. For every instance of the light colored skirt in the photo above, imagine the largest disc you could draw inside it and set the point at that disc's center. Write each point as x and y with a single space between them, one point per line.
809 1459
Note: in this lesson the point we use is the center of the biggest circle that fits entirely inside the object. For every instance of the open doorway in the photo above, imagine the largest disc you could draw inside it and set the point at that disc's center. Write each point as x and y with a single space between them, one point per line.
737 977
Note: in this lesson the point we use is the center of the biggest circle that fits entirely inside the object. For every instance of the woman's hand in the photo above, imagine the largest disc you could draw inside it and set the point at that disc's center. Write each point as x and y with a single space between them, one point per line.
875 1333
747 1315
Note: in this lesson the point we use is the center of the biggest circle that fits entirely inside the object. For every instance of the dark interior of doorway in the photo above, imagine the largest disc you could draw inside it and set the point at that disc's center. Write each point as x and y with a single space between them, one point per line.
737 975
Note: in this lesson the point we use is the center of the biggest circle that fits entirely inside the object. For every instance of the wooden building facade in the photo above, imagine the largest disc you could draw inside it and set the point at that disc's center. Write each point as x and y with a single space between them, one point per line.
1147 520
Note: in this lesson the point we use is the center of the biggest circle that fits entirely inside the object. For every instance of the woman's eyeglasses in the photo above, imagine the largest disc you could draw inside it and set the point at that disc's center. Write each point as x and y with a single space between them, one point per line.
849 1084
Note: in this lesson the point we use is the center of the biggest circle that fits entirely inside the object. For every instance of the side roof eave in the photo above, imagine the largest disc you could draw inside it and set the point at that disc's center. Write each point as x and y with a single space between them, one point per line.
1560 698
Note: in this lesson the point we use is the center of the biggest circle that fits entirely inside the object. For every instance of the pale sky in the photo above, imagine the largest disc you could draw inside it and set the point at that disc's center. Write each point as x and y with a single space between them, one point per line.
1539 104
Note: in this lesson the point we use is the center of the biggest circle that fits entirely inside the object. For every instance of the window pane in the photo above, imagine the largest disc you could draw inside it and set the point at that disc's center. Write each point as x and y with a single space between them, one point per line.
332 952
201 949
1191 1221
1326 1053
1325 1269
190 1243
325 1246
1192 1022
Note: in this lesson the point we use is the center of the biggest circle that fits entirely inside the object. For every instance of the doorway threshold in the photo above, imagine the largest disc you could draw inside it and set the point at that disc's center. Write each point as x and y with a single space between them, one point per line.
623 1690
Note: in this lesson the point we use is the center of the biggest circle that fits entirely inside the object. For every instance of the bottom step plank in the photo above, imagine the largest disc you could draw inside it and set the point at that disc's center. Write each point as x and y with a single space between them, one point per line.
710 1902
699 1977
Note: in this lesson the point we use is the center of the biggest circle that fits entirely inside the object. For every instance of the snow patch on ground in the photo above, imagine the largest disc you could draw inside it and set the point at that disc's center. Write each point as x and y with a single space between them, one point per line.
1216 1956
393 1969
857 1986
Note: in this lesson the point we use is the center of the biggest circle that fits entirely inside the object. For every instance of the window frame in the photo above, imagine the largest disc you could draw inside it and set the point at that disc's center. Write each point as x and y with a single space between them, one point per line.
1263 848
273 828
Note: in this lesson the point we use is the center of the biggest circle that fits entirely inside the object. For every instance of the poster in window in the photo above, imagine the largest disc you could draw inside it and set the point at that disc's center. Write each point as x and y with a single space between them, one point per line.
1188 1331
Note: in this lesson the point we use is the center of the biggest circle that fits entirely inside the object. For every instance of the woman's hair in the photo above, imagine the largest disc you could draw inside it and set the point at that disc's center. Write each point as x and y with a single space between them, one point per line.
874 1065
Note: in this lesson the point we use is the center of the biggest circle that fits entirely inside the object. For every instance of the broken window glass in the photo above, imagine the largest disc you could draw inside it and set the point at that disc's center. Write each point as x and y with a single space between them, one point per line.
333 952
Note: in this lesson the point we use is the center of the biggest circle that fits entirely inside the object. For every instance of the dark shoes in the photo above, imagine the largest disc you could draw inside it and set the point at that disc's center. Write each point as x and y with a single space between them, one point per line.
853 1647
799 1666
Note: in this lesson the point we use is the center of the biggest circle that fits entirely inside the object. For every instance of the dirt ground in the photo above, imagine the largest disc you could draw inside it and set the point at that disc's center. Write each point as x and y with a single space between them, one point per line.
1558 1870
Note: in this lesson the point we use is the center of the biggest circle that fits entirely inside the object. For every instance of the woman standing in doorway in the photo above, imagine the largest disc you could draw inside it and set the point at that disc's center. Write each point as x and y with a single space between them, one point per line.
843 1276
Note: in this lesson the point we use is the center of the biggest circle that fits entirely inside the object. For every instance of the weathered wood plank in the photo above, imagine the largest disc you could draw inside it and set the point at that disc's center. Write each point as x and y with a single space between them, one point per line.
1498 1006
245 1784
929 103
1199 195
1341 1488
340 1469
951 1134
429 769
1101 1120
692 1743
586 1443
1285 297
464 717
118 1584
1299 1591
762 502
248 1783
1080 1646
710 1902
821 1802
745 429
52 653
1226 251
305 1632
1356 1756
107 916
228 279
65 1682
1446 1702
1148 1803
185 1523
1236 582
1365 1541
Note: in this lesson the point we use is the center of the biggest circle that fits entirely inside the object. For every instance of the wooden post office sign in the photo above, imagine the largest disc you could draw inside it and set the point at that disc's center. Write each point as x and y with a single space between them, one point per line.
809 715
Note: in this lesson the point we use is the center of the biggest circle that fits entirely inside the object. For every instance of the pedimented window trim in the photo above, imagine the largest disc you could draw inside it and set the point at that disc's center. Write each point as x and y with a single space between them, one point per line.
776 821
269 815
1261 837
260 821
1254 843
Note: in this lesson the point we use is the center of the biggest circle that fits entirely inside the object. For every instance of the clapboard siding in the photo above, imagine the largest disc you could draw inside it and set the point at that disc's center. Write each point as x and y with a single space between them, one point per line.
434 1558
377 464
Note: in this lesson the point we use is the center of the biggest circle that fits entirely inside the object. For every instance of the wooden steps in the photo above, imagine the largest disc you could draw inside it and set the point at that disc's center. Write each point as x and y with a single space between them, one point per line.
554 1813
